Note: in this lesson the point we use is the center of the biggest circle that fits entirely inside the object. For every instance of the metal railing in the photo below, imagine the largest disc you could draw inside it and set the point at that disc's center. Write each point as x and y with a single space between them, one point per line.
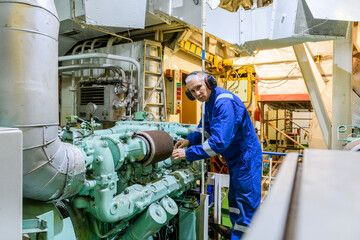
270 161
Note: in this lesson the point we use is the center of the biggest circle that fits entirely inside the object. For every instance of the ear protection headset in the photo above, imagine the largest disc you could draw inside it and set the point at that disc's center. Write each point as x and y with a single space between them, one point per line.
210 83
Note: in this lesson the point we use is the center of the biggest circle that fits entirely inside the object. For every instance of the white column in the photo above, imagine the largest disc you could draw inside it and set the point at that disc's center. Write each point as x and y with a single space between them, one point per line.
341 94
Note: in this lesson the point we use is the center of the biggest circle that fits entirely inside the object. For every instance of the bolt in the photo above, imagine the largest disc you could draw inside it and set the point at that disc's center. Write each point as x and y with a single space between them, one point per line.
43 224
104 144
99 159
114 208
126 191
158 212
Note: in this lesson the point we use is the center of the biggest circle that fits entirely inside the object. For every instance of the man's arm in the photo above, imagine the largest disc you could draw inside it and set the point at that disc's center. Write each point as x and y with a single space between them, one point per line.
193 138
223 129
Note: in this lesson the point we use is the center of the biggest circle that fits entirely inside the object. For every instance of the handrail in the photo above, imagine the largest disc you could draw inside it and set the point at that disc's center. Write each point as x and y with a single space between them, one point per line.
278 154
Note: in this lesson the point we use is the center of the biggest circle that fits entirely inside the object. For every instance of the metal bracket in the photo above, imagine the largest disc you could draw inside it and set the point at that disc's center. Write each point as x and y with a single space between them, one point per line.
42 224
162 16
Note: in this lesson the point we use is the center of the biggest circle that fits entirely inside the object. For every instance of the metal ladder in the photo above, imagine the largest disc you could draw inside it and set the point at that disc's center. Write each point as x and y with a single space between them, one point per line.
153 72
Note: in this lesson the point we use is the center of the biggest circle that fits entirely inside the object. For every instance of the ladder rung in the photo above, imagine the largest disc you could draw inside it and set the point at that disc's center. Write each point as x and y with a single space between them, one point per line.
156 104
154 44
153 57
153 73
150 88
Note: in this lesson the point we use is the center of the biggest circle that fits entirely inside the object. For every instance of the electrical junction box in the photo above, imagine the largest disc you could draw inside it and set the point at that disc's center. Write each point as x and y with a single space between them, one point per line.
239 88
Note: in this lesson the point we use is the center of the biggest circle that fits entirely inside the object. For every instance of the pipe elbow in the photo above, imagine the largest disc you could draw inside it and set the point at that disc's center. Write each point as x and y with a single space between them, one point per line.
53 171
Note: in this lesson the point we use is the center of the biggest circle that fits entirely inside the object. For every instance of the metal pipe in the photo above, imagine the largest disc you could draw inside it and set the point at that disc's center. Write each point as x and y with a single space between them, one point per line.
72 89
203 105
82 62
88 66
110 43
106 56
270 173
277 154
160 27
29 98
96 40
204 198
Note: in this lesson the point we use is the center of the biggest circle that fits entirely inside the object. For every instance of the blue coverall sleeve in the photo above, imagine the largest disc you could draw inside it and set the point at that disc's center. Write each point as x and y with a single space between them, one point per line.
223 130
195 137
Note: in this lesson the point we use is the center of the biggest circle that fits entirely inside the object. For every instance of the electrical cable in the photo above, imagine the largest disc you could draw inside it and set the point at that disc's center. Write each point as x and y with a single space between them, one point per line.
212 199
237 81
281 81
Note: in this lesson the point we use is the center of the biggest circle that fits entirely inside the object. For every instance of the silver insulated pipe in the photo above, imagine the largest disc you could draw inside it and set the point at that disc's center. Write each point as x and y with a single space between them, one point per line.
29 98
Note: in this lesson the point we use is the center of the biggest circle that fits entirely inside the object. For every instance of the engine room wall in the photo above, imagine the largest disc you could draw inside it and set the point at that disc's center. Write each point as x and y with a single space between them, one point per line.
186 63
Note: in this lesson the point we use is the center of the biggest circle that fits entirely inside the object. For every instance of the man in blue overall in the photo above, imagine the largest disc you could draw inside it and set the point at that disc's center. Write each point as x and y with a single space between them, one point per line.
229 132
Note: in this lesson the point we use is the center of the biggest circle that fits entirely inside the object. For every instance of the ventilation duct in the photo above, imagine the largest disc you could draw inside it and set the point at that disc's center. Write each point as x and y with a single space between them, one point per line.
29 98
280 24
285 23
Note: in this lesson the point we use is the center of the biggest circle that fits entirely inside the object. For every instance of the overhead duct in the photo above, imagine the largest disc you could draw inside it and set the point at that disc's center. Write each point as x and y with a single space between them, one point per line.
285 23
280 24
114 16
29 98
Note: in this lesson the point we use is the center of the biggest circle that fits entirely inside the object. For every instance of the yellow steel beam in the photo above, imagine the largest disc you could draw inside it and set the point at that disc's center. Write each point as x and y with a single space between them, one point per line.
196 50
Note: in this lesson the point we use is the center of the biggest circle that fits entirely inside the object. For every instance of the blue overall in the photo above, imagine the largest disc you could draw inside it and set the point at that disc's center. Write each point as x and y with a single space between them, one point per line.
230 132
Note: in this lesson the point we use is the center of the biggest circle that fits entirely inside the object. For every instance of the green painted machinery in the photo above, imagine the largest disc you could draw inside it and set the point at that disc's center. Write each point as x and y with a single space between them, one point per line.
132 189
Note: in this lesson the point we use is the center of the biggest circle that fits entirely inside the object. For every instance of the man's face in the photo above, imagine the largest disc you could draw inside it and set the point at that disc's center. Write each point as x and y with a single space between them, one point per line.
199 90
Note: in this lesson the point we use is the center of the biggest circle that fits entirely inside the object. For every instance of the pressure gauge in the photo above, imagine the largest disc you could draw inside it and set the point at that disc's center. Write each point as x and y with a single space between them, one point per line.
91 108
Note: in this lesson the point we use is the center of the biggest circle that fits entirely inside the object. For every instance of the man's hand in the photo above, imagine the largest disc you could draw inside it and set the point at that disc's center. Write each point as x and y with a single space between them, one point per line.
182 143
178 154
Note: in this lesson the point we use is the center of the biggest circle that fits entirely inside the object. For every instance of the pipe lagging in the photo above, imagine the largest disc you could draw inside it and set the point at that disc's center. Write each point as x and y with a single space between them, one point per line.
29 98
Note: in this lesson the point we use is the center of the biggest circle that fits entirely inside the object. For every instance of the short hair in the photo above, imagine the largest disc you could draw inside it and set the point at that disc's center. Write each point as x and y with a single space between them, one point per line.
196 75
